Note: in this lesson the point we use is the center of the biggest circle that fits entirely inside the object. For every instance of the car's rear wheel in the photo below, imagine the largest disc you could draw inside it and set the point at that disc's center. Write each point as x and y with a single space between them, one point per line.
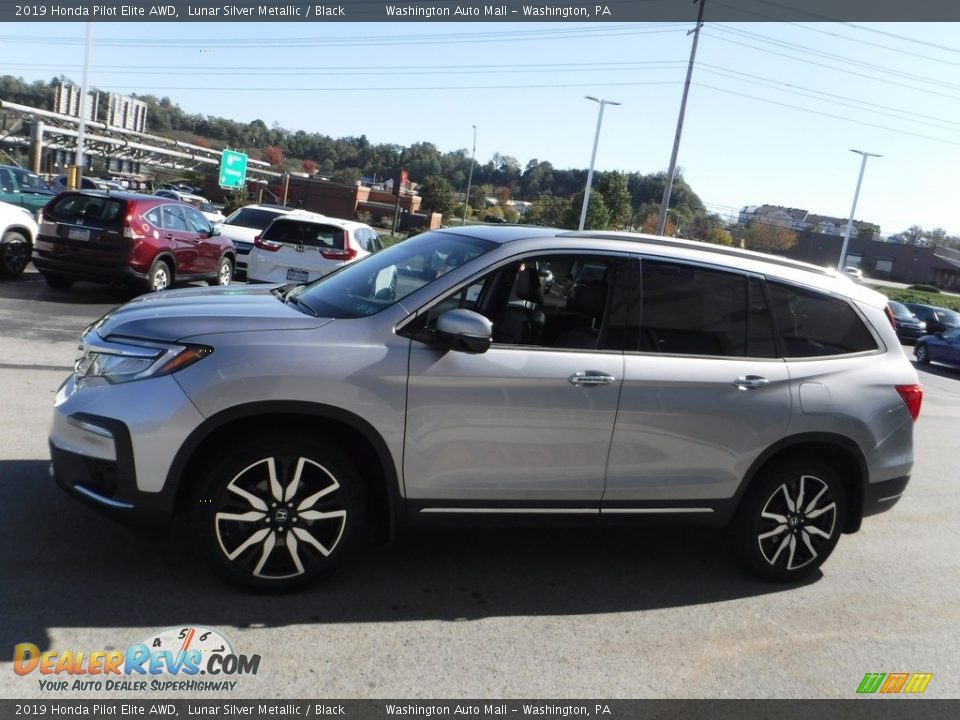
14 254
160 276
224 272
923 355
57 282
789 521
279 513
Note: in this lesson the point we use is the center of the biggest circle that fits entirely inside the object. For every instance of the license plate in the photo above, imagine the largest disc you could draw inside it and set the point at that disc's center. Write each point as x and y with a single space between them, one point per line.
78 234
297 275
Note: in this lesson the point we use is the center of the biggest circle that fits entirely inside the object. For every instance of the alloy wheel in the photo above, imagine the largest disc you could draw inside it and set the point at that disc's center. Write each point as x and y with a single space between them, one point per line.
280 517
16 255
797 523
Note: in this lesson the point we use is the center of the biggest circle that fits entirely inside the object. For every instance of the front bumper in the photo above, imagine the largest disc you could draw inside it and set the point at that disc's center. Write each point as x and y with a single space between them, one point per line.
111 446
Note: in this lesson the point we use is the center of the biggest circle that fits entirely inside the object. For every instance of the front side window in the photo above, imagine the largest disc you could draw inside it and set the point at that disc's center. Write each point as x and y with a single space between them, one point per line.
813 324
196 221
550 301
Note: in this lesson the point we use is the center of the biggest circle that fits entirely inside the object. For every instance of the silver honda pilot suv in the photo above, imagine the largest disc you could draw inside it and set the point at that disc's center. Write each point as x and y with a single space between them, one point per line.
514 371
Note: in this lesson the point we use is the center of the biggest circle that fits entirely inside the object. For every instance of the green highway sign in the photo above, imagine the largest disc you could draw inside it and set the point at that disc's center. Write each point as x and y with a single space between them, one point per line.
233 169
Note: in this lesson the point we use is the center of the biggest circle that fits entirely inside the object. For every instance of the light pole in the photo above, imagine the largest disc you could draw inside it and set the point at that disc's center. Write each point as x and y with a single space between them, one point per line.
846 235
473 155
593 157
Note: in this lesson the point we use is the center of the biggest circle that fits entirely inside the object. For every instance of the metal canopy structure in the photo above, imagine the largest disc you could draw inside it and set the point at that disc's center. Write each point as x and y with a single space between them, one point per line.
43 129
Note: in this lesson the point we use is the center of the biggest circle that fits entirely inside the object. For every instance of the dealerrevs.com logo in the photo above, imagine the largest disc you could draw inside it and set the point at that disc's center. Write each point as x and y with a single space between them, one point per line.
894 683
190 658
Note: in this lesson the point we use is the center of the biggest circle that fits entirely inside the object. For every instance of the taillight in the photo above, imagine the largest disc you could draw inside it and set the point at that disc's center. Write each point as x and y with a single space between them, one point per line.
265 244
130 231
912 396
889 313
347 253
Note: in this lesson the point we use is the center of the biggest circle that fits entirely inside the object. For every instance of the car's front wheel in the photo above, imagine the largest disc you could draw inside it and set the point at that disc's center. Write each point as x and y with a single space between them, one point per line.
789 521
923 355
14 254
279 513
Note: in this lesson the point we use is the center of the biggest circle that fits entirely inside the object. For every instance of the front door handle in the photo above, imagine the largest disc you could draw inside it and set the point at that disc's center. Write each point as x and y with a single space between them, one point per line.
750 382
591 377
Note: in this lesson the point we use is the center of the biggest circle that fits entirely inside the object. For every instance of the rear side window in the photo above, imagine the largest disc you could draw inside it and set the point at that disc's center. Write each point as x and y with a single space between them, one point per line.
103 211
813 324
691 310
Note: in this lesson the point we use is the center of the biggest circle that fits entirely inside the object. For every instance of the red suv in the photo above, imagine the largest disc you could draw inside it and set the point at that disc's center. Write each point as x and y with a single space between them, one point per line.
126 238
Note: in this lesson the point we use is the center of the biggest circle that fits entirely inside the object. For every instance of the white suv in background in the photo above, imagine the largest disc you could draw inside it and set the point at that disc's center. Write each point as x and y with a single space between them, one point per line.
246 223
304 247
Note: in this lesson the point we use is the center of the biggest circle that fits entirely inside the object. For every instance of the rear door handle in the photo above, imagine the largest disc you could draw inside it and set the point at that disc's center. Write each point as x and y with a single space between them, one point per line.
750 382
591 377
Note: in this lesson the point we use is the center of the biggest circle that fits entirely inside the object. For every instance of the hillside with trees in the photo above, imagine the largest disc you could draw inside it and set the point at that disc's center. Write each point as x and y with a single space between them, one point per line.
618 200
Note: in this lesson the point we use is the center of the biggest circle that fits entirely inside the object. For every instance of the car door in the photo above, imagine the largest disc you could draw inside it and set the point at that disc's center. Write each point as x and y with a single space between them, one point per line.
181 239
525 426
209 247
704 392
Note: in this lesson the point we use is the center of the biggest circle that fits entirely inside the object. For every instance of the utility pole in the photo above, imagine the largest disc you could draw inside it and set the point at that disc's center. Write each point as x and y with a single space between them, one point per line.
77 175
665 202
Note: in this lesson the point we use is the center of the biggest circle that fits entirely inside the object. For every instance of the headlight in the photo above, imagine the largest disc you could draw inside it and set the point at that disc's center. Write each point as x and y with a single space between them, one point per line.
123 359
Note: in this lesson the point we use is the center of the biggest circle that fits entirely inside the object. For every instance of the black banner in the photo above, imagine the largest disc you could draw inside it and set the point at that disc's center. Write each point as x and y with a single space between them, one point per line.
455 11
861 709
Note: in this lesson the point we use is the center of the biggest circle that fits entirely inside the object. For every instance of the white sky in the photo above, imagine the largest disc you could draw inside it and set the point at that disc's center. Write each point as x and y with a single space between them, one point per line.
773 111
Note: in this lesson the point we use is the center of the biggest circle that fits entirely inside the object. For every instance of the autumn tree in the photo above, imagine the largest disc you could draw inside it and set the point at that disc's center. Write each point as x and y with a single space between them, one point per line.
273 155
309 166
769 237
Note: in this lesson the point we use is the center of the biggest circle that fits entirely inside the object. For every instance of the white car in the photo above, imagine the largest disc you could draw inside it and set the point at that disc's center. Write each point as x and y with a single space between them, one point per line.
18 230
210 211
854 273
246 223
301 247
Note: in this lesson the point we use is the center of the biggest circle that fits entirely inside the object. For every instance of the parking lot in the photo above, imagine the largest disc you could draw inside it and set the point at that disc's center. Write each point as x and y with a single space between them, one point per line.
548 612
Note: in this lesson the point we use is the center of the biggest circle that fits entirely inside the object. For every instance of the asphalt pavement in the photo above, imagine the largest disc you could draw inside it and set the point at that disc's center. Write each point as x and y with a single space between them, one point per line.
554 613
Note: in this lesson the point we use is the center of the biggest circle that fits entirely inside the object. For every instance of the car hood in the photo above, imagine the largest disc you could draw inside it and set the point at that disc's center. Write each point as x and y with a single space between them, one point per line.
175 315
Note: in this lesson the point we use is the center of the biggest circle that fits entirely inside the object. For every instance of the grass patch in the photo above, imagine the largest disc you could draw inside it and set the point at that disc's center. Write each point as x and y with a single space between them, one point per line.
903 295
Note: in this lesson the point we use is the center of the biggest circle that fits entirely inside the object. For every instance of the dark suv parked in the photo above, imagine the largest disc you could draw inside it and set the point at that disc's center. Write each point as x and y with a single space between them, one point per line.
128 239
938 319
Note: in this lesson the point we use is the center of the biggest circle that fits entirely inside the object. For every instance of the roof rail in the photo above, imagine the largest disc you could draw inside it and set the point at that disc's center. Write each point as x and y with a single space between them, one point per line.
704 247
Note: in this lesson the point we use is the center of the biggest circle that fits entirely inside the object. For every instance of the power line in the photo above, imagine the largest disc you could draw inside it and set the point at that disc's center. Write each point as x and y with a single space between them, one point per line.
829 115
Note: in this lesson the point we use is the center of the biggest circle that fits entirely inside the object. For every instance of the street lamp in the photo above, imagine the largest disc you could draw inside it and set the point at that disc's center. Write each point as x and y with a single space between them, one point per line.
856 194
593 157
466 200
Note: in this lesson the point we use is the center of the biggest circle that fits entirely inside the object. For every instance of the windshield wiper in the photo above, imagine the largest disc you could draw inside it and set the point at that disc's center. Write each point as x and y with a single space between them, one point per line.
294 299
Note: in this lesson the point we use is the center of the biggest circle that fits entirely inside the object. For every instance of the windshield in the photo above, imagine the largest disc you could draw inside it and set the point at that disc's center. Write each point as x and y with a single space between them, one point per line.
900 311
948 317
30 182
368 286
252 218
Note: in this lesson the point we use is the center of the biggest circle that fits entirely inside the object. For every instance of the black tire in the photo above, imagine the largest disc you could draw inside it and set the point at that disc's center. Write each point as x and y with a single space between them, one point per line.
224 273
160 276
14 254
250 552
57 282
923 355
775 537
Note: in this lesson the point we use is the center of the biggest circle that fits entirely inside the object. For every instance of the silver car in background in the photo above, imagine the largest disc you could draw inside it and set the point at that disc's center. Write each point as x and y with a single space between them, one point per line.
513 372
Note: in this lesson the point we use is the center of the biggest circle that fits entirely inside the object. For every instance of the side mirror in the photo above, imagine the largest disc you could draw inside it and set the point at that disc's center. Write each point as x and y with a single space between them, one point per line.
214 230
464 331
